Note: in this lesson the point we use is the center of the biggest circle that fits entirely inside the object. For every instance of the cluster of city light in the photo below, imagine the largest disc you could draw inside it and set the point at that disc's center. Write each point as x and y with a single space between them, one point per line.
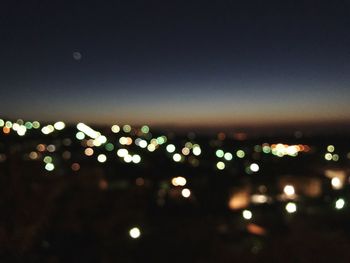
226 156
151 146
179 181
19 126
259 199
49 166
252 168
51 128
122 152
141 143
88 130
128 158
241 201
125 140
186 150
330 155
6 129
101 139
85 130
281 149
48 129
179 153
189 151
98 140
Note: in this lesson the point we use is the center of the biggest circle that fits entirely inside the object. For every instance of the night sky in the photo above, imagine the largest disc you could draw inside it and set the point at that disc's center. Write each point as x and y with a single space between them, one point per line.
176 62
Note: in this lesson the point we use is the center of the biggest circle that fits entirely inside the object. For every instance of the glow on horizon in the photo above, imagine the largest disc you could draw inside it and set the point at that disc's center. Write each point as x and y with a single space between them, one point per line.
195 107
191 120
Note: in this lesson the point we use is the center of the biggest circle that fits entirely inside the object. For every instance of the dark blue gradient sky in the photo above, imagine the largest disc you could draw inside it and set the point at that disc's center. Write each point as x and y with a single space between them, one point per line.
180 63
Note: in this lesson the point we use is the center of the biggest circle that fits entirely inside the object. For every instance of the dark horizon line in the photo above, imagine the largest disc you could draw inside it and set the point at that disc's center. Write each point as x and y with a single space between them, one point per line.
330 126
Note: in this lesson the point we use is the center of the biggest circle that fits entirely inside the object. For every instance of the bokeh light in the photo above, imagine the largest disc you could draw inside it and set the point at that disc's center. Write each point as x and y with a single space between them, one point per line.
135 232
247 214
291 207
220 165
186 192
101 158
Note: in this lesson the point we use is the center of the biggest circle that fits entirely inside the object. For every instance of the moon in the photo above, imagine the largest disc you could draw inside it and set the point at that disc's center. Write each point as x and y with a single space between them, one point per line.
77 55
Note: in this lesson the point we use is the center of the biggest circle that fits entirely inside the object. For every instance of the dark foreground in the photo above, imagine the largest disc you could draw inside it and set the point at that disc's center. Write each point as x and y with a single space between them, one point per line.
84 208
